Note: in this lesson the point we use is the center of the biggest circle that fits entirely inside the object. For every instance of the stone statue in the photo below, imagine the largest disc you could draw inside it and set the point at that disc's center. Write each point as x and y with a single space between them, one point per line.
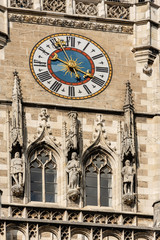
17 172
73 170
128 173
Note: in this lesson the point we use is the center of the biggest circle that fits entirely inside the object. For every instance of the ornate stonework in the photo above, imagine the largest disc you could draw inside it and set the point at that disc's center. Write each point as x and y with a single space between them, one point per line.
86 8
54 5
16 128
70 23
21 3
115 11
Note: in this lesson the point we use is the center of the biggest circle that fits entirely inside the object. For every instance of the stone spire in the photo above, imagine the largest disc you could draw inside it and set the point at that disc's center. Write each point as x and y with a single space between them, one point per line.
128 97
16 131
128 136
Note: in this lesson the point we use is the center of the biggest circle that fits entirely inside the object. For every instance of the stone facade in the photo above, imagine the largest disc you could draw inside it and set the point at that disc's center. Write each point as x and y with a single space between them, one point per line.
115 134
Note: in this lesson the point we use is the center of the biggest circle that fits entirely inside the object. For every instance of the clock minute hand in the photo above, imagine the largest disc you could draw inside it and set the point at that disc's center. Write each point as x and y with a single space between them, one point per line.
60 43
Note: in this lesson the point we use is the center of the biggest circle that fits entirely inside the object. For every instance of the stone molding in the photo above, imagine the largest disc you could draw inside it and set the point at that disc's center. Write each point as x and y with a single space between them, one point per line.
108 217
67 222
70 23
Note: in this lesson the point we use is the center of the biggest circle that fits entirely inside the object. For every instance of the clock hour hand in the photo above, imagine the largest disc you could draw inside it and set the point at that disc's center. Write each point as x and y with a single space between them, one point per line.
55 57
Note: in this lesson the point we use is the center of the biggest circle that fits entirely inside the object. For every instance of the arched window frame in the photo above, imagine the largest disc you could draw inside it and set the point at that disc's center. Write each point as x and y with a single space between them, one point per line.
115 164
105 164
43 166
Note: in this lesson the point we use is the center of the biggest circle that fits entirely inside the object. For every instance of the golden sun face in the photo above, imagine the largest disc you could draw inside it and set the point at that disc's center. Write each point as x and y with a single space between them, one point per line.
70 66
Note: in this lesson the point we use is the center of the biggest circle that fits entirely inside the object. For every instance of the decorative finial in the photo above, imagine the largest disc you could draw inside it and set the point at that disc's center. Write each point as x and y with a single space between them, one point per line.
128 97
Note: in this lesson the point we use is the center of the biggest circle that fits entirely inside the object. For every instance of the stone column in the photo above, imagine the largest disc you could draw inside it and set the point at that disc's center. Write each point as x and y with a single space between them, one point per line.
69 6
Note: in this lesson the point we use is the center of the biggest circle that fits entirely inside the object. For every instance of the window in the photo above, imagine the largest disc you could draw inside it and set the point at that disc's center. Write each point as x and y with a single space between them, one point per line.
98 181
43 175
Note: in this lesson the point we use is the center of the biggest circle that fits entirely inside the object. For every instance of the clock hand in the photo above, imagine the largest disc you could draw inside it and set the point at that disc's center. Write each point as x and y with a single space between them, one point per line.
86 74
70 64
55 57
60 43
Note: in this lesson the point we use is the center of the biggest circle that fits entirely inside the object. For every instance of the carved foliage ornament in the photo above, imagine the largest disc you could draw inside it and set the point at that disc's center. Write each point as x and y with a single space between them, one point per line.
70 23
22 3
87 9
54 5
118 12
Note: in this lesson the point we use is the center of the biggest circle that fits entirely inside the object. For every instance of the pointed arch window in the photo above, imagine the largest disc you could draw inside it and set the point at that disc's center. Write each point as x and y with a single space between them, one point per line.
43 175
98 178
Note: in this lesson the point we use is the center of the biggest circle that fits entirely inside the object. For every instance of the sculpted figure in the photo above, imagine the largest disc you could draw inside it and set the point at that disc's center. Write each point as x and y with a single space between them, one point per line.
17 169
128 175
73 170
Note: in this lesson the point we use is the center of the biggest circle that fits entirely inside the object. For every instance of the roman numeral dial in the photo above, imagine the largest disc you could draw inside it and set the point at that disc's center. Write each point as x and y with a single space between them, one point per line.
70 66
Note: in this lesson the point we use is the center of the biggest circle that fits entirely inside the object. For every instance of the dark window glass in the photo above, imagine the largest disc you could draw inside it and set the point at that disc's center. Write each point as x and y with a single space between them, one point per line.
50 185
91 188
105 188
43 161
98 181
36 184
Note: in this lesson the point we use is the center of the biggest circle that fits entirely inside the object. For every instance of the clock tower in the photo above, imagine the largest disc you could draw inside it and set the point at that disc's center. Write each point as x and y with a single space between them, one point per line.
79 120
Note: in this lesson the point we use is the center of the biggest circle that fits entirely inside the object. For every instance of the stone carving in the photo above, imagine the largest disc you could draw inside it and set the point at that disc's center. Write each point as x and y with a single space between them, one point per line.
1 228
128 135
128 148
127 235
100 218
128 173
118 12
96 234
16 130
86 8
113 219
45 215
64 233
73 216
88 218
21 3
128 221
33 214
156 207
147 70
17 173
44 133
16 212
98 162
73 139
157 235
74 171
70 23
44 122
57 216
32 230
54 5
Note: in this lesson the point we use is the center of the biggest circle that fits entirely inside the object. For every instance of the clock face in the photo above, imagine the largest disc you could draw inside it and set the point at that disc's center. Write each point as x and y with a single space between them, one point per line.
70 66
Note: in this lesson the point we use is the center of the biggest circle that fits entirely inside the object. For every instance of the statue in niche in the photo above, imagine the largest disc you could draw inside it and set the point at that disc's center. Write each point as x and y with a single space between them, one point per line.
17 173
73 170
128 173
